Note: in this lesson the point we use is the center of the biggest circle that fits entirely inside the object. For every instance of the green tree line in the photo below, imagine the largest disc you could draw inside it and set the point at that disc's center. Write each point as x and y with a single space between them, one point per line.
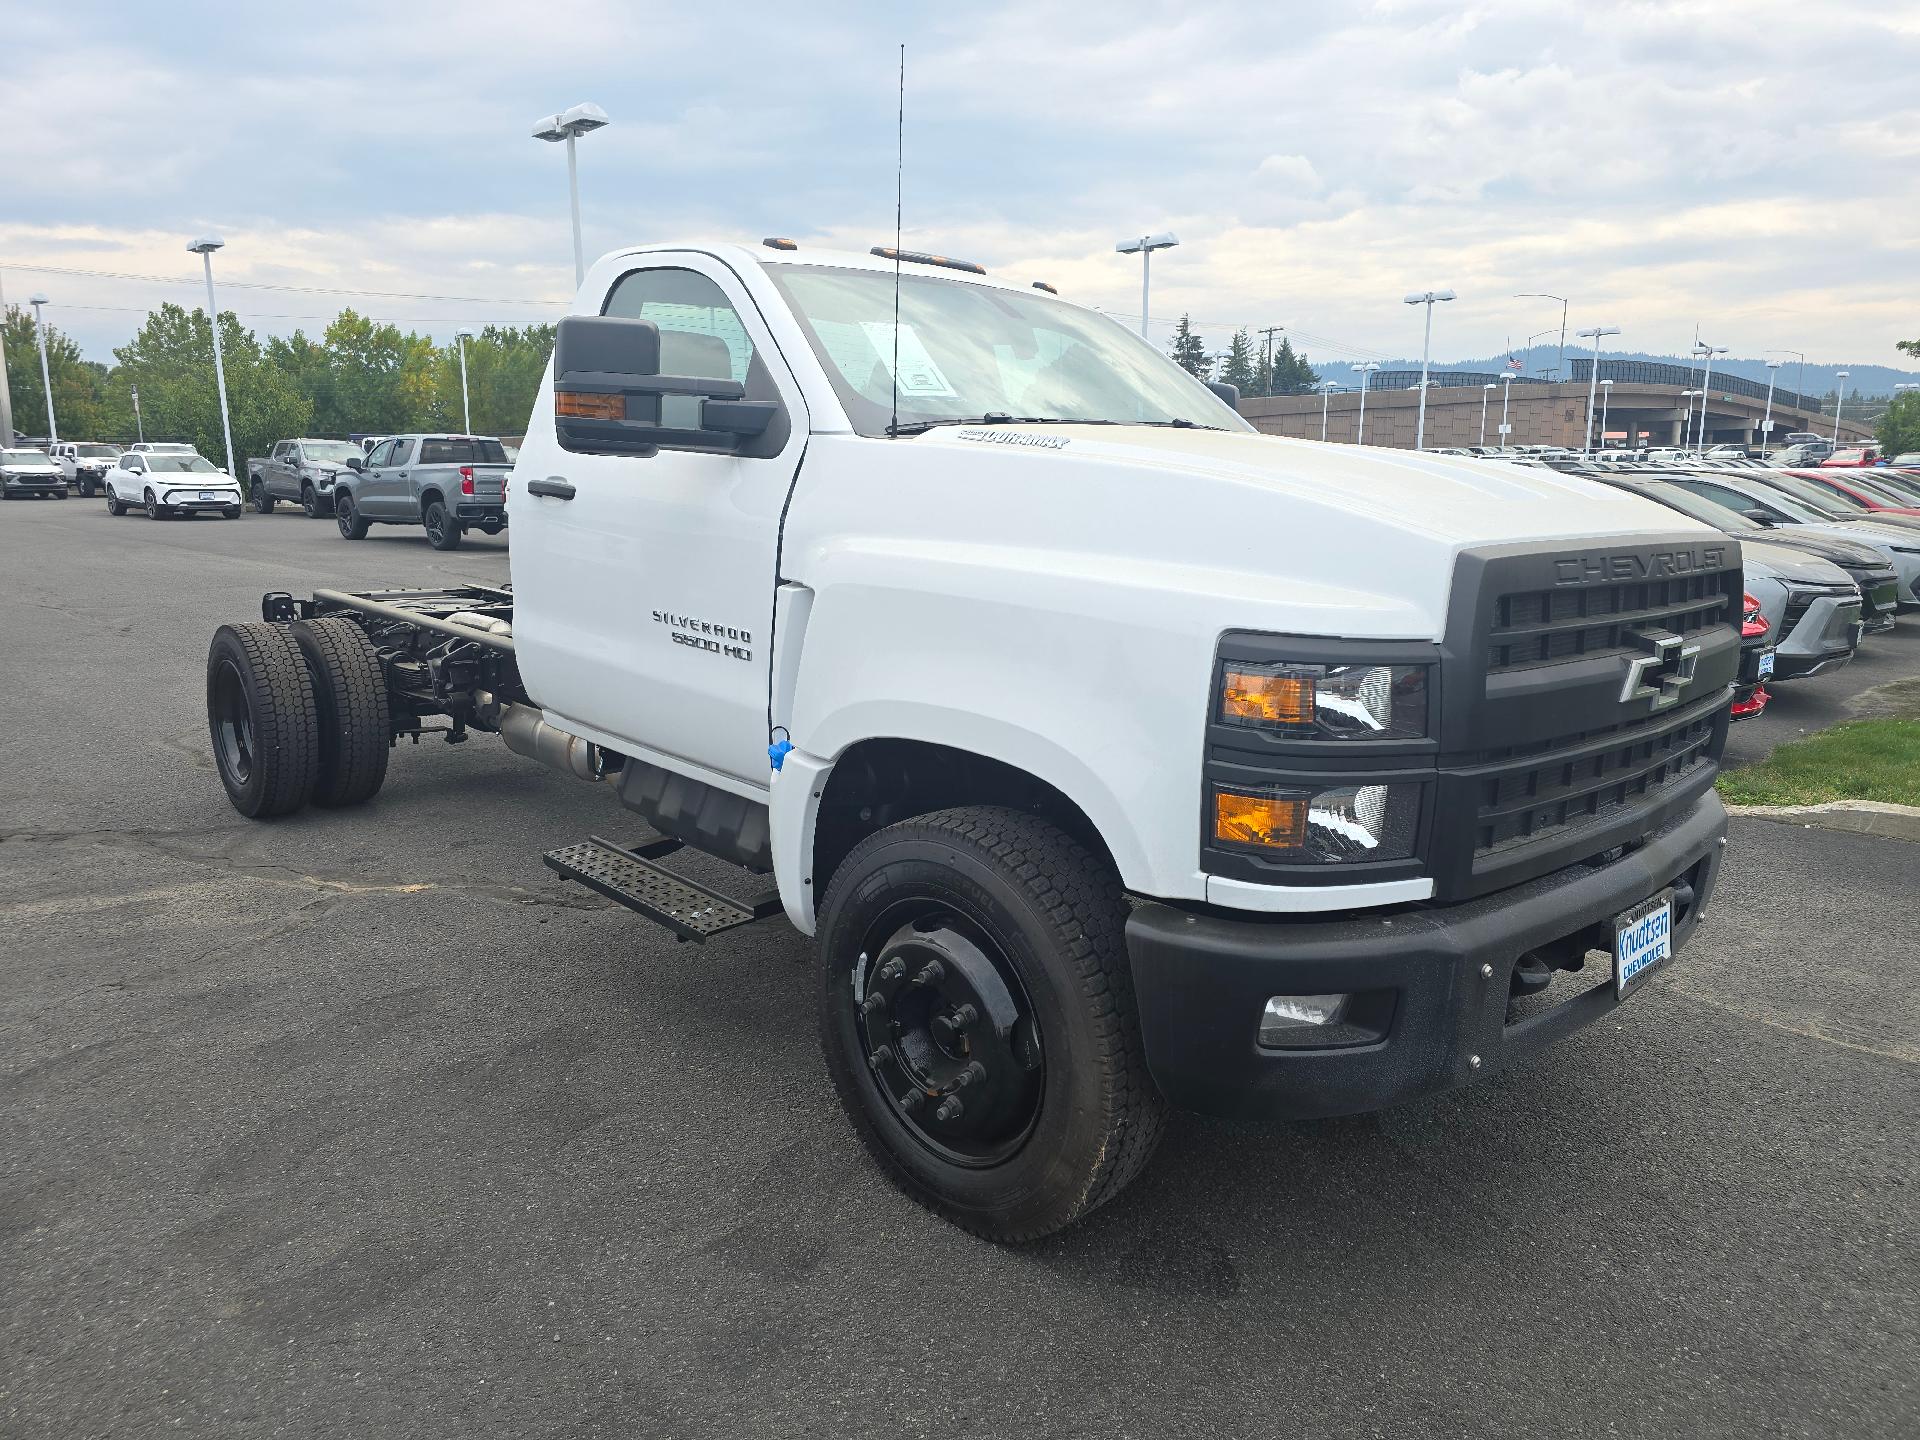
359 376
1252 367
1898 429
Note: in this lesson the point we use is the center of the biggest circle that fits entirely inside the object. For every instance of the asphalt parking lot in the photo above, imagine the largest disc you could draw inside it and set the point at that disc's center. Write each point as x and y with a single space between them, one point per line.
363 1124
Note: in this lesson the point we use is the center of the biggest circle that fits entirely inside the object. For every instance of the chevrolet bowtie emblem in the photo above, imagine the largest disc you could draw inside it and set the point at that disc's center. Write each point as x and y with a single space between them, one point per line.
1663 674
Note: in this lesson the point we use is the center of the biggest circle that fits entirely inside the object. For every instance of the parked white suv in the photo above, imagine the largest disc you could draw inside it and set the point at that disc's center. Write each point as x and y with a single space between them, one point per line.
84 462
166 484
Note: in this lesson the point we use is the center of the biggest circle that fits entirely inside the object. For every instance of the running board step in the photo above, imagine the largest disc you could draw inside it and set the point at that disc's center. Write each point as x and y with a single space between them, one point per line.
635 878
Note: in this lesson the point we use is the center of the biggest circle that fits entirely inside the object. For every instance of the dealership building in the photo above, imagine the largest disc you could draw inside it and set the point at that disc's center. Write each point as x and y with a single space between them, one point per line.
1646 404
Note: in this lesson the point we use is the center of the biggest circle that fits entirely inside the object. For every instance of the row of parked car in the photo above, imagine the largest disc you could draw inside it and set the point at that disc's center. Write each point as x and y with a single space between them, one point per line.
1832 553
447 484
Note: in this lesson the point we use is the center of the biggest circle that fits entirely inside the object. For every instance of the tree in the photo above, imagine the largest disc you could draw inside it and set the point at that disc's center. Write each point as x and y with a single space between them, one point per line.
1899 429
1910 347
504 366
1189 350
1292 375
1242 367
170 361
78 384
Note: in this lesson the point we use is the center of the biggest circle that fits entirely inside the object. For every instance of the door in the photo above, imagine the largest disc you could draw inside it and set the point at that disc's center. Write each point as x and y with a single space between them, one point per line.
280 472
374 494
644 603
127 481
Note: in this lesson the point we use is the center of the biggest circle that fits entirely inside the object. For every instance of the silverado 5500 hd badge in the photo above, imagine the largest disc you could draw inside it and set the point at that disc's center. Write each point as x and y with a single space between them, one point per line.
706 635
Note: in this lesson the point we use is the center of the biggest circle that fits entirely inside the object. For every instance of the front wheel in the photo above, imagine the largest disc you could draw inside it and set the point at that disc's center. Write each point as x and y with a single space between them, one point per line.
232 512
262 501
443 531
155 510
86 489
115 505
310 502
976 1009
347 516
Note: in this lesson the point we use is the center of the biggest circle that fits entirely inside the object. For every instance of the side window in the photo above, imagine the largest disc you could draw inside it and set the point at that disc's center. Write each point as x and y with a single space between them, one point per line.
397 451
700 331
380 454
136 464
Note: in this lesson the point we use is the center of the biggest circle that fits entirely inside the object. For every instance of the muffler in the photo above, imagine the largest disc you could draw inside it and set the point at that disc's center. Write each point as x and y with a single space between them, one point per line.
526 733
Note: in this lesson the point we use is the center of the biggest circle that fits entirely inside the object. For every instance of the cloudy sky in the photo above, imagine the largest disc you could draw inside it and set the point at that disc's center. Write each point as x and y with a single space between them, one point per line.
1750 167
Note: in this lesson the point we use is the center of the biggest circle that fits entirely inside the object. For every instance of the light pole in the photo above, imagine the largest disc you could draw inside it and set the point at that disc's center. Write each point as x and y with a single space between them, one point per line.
204 248
1486 394
6 392
1687 424
1365 372
1428 298
1839 404
139 429
40 337
1144 247
1327 387
460 337
1542 295
570 125
1596 334
1766 425
1530 339
1606 399
1705 352
1505 396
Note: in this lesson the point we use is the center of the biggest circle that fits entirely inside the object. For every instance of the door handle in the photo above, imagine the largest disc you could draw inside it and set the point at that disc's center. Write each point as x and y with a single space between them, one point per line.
552 486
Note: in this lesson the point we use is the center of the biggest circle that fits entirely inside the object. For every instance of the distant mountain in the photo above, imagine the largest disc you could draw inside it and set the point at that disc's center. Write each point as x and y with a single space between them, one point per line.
1820 379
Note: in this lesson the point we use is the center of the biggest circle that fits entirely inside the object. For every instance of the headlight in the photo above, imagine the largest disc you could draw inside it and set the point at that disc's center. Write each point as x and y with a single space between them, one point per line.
1326 702
1344 823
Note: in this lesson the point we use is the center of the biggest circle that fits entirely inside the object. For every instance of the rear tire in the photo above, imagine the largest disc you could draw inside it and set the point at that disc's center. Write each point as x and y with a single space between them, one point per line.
350 699
347 516
260 714
262 501
443 531
1061 1113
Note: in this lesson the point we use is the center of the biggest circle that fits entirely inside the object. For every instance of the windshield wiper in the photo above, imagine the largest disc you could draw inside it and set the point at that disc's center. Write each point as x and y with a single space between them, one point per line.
992 417
1180 424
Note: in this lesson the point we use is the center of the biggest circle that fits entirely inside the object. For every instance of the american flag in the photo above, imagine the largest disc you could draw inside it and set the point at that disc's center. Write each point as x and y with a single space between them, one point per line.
1514 364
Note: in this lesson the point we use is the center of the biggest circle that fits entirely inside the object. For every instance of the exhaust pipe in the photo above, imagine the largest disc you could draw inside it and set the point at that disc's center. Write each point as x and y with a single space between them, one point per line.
526 733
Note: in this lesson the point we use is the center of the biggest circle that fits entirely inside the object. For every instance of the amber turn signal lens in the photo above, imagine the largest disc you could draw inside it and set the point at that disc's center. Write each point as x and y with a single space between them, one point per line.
589 407
1274 822
1267 699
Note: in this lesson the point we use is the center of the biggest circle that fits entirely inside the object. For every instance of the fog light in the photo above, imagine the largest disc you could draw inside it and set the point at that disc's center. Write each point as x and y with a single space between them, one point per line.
1287 1015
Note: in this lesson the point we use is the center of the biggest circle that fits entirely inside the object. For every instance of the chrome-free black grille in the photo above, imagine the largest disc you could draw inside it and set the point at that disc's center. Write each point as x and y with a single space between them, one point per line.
1538 792
1539 627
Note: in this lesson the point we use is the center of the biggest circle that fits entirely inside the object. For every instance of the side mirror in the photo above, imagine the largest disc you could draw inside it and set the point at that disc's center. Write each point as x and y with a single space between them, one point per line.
609 397
1228 393
356 464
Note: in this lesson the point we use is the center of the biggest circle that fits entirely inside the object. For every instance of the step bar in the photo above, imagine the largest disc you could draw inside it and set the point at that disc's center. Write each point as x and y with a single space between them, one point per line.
633 877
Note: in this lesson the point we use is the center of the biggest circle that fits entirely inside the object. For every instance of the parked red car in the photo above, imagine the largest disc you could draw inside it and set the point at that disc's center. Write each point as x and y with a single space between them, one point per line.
1857 458
1857 491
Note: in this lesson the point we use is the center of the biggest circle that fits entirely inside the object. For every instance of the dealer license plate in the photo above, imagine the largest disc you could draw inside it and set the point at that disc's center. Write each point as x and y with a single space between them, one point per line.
208 495
1642 942
1766 666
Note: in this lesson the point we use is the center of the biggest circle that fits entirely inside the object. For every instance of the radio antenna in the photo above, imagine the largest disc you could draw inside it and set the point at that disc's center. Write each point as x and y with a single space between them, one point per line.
899 172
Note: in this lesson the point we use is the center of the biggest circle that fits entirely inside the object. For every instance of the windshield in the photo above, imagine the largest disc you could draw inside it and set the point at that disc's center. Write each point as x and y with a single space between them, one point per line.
1699 507
972 352
25 459
336 452
1812 495
181 465
95 452
1788 501
1880 487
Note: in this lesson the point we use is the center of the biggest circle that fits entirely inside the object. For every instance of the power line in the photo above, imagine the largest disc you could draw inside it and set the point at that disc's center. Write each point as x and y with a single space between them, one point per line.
263 285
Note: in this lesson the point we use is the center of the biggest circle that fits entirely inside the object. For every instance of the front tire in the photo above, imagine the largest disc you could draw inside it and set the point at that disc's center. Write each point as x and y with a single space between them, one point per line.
155 510
350 699
260 713
115 505
443 531
232 512
310 502
347 516
262 501
1020 931
86 489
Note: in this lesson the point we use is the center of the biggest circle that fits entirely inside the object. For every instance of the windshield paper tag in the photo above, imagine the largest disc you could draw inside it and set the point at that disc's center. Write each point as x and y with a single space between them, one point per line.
919 375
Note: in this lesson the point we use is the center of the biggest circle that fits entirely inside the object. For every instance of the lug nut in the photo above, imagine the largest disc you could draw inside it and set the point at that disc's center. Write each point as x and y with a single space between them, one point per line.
973 1072
880 1057
873 1002
912 1101
963 1016
893 969
931 974
950 1109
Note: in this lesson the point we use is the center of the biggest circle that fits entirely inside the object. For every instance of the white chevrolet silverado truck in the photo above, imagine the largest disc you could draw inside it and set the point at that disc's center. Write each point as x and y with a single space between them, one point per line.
1116 756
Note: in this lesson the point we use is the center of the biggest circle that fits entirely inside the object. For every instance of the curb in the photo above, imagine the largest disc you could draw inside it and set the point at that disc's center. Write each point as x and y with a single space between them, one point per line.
1863 817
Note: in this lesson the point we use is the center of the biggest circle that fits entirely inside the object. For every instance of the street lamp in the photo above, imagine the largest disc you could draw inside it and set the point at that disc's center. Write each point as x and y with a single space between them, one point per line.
139 428
1839 404
1542 295
1428 298
1327 387
1606 399
40 336
6 395
1365 372
1766 425
204 248
460 338
1486 394
1596 334
1144 248
570 125
1529 349
1505 396
1687 424
1705 352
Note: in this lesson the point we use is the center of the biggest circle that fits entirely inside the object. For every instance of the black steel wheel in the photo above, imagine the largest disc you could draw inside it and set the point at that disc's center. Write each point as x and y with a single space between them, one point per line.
260 714
350 701
347 516
977 1016
443 531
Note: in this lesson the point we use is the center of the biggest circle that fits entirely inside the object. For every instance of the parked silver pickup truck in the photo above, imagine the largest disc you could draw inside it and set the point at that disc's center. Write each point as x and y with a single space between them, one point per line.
299 470
448 483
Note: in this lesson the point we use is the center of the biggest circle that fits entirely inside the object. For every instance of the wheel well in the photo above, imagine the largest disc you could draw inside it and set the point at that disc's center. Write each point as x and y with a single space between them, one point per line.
877 783
429 495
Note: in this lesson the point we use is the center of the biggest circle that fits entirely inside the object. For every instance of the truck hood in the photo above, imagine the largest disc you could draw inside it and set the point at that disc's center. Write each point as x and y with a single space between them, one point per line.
1809 541
1223 529
1782 562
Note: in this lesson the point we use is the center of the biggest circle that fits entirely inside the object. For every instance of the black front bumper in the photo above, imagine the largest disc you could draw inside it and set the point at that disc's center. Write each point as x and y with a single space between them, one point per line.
1202 981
